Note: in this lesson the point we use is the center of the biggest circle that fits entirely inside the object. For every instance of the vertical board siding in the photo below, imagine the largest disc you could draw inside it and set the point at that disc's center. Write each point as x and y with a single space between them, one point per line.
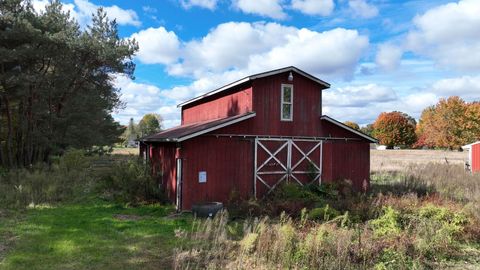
347 161
163 163
228 163
235 103
475 157
267 105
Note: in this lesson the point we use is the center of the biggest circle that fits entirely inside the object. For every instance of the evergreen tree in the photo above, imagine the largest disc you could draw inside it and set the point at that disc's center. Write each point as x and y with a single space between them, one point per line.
56 87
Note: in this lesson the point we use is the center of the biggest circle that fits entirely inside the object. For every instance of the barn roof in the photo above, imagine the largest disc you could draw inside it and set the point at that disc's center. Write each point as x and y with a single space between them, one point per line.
468 146
253 77
342 125
185 132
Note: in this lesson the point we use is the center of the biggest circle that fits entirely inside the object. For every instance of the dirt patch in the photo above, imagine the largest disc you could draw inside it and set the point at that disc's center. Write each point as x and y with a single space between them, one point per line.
128 217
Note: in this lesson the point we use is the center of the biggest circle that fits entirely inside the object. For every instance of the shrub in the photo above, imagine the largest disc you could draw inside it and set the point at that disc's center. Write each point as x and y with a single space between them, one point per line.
67 178
130 181
387 224
323 213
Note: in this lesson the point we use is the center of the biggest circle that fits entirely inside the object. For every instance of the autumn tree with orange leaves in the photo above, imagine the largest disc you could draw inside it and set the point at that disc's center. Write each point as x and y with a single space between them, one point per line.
394 128
450 124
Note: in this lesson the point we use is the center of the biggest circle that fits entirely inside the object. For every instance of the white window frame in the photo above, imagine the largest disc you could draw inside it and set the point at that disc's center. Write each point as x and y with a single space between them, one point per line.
282 102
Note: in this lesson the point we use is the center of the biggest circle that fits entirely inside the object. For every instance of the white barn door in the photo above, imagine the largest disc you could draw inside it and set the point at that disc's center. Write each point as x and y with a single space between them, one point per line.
277 160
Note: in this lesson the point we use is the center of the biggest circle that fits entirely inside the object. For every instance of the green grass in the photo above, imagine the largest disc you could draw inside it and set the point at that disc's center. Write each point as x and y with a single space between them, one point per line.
90 236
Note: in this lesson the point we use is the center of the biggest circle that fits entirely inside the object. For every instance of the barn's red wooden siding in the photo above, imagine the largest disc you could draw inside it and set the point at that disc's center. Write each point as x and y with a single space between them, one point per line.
234 102
475 157
229 166
163 160
346 160
228 161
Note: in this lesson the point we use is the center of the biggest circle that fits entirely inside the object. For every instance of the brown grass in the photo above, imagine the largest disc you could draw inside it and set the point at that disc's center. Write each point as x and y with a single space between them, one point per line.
125 151
398 160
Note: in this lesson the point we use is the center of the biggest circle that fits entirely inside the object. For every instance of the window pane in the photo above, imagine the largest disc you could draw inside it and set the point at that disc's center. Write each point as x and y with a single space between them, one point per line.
287 94
287 111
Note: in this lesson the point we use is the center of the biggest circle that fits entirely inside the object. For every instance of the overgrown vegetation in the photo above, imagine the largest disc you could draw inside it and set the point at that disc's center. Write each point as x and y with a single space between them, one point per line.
424 218
77 175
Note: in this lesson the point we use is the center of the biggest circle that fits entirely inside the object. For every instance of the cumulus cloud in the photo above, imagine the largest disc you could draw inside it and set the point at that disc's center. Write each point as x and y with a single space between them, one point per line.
388 56
253 47
360 8
208 4
314 7
82 11
266 8
157 46
449 34
467 87
358 96
143 98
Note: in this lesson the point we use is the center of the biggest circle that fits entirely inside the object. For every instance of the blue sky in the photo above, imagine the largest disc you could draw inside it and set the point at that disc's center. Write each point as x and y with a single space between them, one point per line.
378 55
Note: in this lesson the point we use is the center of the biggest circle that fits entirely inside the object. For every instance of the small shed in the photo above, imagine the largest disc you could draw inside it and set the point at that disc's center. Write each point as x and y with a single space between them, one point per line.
473 156
249 136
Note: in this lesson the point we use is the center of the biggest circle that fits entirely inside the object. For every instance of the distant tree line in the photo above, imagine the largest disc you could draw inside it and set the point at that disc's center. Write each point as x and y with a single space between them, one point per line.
149 124
56 87
449 124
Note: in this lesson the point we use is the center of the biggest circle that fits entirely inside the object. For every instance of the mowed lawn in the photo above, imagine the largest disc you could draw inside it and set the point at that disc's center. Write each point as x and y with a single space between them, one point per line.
97 235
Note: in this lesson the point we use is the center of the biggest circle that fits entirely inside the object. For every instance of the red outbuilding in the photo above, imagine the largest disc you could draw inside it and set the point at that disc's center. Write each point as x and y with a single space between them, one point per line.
249 136
473 156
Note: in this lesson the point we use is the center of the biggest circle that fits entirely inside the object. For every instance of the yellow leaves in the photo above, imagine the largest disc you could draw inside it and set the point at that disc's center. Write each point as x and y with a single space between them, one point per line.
451 123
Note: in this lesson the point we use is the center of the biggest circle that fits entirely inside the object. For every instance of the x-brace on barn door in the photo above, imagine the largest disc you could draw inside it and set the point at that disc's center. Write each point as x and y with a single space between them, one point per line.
277 160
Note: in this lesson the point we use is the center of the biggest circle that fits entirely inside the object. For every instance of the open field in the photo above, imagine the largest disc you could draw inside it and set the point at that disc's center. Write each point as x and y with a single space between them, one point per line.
125 151
397 160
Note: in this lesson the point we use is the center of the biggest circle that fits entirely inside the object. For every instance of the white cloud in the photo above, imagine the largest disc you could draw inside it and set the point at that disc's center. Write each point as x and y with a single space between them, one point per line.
266 8
329 54
449 34
388 56
467 87
230 45
157 46
208 4
358 96
82 11
314 7
144 98
247 48
360 8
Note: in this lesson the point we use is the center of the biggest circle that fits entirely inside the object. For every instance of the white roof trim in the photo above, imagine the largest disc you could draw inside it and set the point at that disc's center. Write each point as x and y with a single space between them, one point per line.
201 132
335 122
468 146
253 77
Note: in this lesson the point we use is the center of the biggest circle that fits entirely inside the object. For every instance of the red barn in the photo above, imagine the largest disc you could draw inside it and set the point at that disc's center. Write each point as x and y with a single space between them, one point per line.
473 156
249 136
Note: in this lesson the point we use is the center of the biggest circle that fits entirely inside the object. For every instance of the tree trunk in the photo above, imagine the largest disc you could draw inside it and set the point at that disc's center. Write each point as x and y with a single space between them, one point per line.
9 132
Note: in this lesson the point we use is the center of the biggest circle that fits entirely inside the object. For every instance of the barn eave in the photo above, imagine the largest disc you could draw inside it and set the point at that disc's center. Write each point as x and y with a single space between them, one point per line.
185 132
342 125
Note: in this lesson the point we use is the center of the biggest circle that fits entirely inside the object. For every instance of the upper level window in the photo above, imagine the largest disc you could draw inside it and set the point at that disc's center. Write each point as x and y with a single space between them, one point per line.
287 103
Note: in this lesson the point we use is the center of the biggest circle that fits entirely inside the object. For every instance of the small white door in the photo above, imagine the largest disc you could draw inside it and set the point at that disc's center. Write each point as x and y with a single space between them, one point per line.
179 184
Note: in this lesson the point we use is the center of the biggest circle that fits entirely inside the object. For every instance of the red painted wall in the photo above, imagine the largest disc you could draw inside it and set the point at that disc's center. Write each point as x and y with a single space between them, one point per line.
347 160
233 102
475 157
229 161
163 162
307 97
229 166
